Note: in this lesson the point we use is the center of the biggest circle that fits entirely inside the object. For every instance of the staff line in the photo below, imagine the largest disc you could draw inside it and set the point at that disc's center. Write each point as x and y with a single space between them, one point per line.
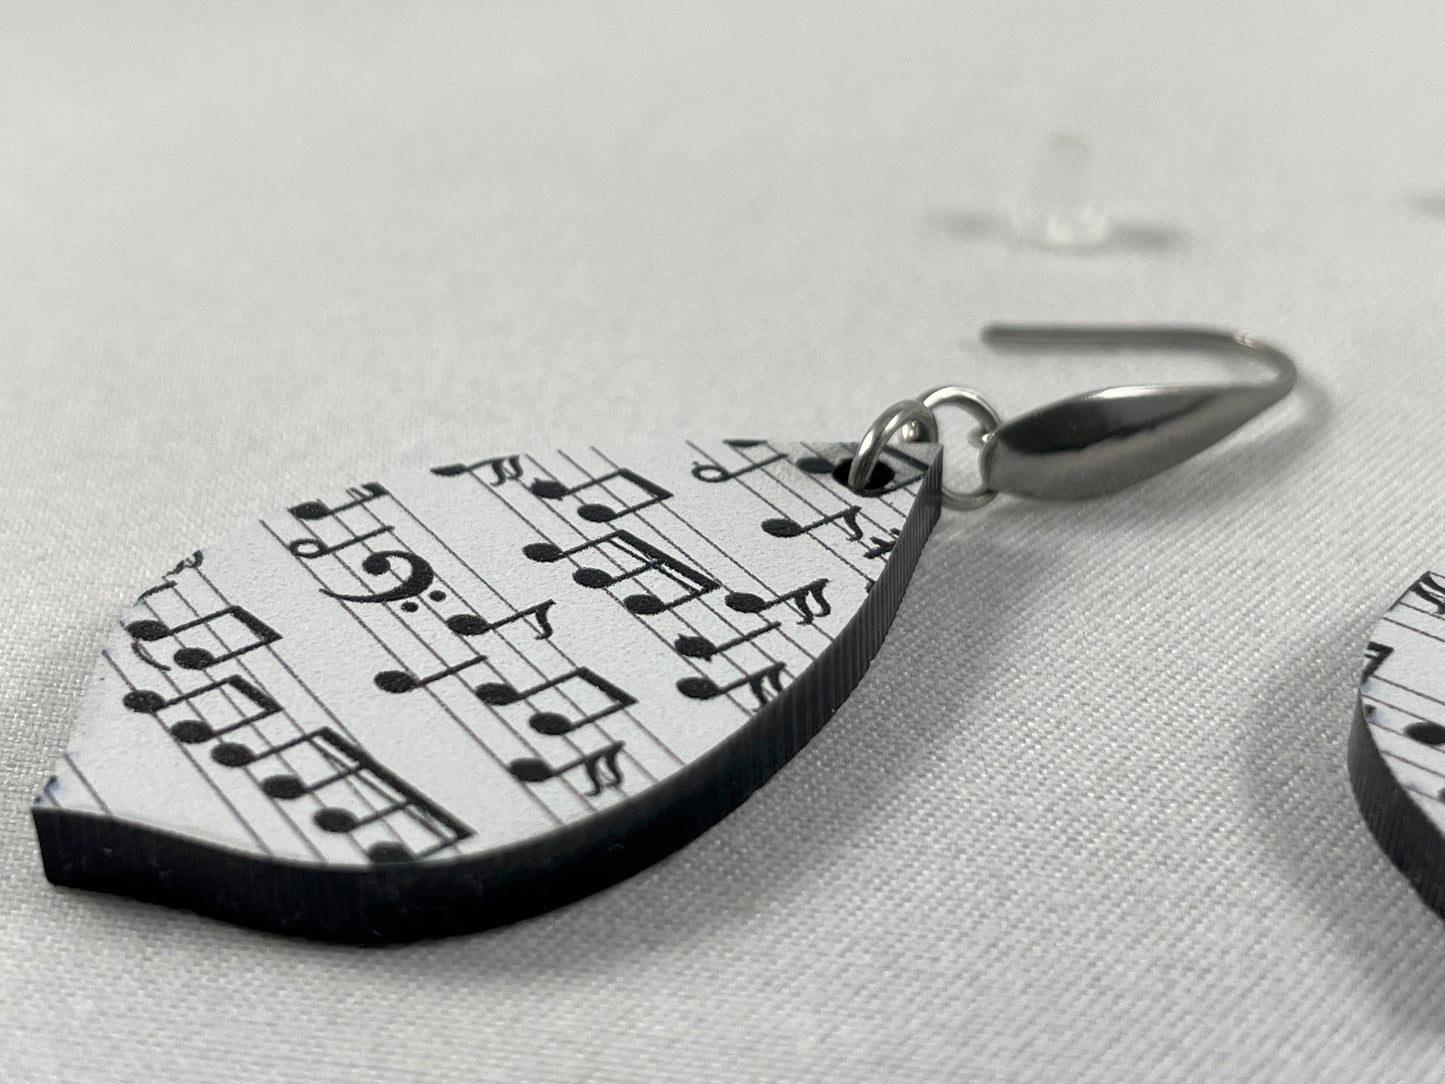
651 629
477 653
446 708
230 699
242 821
784 630
556 647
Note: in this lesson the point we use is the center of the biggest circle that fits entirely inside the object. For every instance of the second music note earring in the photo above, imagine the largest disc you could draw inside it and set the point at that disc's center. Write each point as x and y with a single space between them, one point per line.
465 695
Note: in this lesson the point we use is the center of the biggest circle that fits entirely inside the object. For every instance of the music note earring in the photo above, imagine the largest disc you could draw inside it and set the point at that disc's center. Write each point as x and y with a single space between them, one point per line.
473 693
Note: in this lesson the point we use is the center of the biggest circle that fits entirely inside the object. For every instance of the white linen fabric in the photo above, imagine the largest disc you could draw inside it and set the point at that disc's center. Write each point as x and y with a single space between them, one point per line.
1087 817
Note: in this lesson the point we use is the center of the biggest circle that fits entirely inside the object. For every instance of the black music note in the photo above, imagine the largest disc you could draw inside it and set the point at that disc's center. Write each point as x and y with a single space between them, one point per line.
236 755
505 468
601 767
418 578
1431 590
309 548
1375 654
551 490
338 820
475 625
651 605
309 510
746 603
551 722
715 472
199 658
814 464
348 761
547 553
652 559
399 681
699 647
704 688
787 528
882 546
192 731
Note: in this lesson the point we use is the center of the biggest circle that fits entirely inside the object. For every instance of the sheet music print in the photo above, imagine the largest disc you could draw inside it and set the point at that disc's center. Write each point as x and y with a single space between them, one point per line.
266 761
462 658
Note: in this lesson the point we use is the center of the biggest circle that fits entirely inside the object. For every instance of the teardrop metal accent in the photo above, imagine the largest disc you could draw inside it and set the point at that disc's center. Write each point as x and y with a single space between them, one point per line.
1099 442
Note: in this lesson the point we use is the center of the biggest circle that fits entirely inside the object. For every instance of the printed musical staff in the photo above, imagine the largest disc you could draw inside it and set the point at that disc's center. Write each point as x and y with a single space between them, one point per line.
399 681
476 625
693 582
413 571
550 722
314 510
311 548
550 490
504 468
799 479
601 767
150 631
700 647
704 688
802 598
193 731
789 528
714 472
232 748
340 762
415 581
414 674
243 725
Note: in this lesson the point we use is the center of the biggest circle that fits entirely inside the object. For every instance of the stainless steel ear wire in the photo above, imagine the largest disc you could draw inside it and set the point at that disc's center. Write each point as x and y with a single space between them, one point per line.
1095 443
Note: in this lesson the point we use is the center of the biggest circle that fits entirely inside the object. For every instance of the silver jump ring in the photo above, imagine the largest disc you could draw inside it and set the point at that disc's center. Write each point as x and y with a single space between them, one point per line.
988 421
907 413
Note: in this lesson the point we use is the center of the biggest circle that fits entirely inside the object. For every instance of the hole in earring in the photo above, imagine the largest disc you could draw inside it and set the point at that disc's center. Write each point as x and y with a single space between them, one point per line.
882 475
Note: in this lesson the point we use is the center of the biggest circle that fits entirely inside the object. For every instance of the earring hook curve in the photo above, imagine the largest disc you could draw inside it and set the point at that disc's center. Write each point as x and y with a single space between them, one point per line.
1102 441
1143 337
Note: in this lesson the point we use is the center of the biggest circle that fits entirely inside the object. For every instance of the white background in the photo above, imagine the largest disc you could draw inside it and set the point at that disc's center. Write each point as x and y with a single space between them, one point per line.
1086 819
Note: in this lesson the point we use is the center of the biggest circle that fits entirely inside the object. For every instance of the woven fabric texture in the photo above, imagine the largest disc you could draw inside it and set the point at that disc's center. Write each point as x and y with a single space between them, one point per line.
1087 817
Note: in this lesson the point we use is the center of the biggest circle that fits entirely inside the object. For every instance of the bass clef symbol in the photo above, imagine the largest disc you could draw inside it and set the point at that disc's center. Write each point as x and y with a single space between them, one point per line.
418 578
